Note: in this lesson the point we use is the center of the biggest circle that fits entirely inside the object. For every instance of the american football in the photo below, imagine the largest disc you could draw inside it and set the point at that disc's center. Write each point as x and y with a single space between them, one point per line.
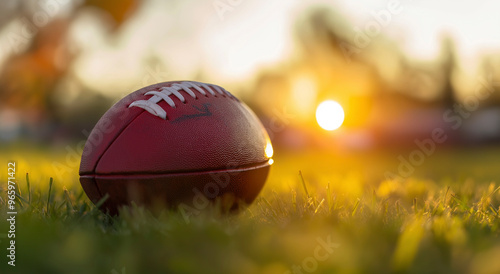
168 142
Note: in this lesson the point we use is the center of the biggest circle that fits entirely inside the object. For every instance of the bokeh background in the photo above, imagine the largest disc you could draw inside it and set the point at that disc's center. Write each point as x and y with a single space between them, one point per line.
418 82
399 69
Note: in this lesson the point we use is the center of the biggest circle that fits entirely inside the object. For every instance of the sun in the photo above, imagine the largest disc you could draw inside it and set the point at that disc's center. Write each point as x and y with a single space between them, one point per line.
330 115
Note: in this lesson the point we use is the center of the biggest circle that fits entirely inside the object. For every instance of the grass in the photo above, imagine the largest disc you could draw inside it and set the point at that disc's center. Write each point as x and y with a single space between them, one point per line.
318 213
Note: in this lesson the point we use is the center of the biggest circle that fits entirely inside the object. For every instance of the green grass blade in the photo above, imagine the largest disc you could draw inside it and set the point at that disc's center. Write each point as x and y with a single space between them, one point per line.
21 198
355 207
304 184
317 208
102 201
48 198
29 187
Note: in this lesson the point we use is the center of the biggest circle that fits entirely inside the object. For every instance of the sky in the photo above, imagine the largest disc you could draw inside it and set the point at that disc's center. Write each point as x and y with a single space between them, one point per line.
231 40
188 38
473 24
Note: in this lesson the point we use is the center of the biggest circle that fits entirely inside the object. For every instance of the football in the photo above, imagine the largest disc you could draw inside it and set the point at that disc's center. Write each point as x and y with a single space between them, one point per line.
176 143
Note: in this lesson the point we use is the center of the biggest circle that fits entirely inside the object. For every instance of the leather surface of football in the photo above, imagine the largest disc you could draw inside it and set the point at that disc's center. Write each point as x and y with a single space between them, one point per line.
169 142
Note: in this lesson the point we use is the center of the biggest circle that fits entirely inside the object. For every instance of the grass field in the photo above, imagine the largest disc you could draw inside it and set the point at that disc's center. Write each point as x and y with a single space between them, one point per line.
340 216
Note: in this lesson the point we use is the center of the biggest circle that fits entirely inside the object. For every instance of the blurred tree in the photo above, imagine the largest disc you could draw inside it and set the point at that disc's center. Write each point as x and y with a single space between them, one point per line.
489 71
448 61
289 92
118 10
28 79
9 9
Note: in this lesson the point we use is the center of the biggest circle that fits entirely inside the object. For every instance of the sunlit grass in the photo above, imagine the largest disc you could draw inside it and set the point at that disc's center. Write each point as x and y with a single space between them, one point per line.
445 222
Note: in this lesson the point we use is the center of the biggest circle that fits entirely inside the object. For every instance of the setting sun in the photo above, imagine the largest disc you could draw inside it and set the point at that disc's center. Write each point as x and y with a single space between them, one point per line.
330 115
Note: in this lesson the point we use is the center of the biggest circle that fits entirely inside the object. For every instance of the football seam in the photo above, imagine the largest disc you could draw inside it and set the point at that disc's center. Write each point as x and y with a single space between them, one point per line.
187 172
163 93
114 139
124 128
94 179
93 175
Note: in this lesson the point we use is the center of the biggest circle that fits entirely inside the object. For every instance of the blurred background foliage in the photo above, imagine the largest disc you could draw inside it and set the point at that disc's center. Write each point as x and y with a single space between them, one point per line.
398 76
64 62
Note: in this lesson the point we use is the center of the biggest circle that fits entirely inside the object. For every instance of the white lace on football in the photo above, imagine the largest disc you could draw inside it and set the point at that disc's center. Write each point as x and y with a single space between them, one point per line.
151 105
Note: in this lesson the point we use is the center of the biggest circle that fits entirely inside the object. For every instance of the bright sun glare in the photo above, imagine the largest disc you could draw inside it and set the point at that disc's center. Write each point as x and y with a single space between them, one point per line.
330 115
